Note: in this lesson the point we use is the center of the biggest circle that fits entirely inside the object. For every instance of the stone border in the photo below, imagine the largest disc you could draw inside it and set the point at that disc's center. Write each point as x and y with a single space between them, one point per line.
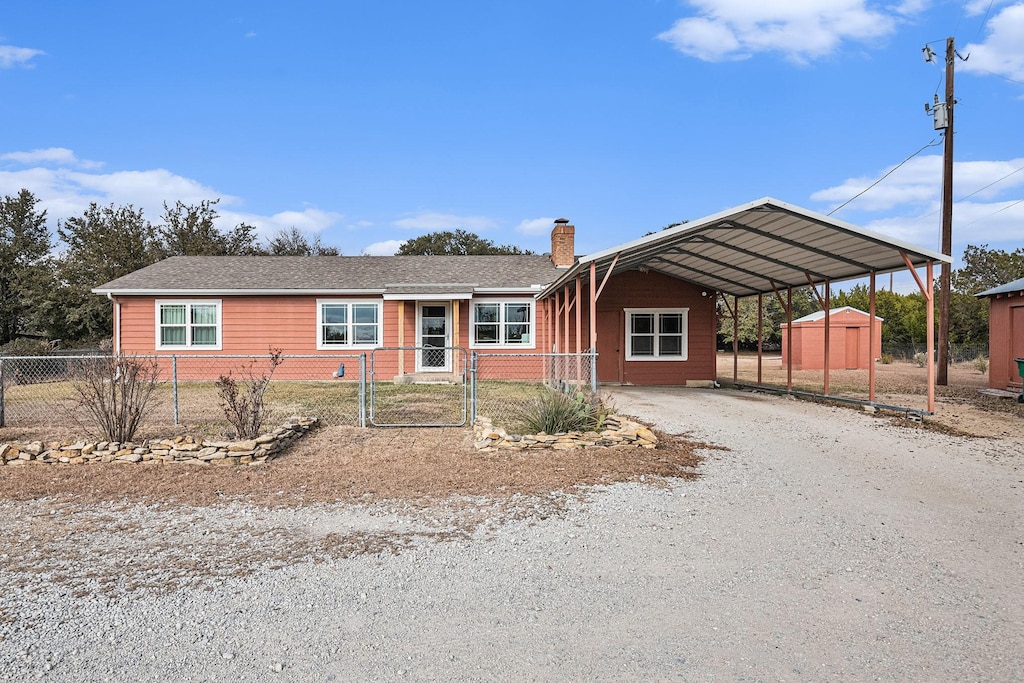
181 449
618 431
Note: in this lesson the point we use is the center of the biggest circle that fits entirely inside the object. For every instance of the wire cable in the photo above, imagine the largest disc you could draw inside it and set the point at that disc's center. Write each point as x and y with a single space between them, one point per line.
935 142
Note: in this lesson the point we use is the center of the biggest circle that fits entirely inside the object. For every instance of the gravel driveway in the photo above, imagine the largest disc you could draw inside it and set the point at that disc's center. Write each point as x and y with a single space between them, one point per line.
825 544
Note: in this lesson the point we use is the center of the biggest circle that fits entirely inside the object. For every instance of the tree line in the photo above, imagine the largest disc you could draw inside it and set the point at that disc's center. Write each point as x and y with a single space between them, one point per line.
905 315
46 285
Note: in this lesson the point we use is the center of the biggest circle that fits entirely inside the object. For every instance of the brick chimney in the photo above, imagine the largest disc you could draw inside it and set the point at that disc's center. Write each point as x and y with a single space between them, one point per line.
563 243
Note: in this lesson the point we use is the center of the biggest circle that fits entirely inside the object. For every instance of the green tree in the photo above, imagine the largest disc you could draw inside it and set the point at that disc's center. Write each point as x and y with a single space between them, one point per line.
102 244
986 268
190 230
457 243
24 246
293 242
804 302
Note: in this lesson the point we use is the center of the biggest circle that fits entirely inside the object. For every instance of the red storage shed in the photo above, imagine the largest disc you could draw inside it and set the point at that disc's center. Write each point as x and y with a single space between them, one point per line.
848 340
1005 334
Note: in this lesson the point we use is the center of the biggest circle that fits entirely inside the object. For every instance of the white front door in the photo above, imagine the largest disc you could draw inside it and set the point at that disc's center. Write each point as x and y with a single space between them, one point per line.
433 334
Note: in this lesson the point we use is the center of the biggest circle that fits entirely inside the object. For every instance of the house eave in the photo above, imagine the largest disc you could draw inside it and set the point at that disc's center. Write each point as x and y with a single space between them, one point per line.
237 292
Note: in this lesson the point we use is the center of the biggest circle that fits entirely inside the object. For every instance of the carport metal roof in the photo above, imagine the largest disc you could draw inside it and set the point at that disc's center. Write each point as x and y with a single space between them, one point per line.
757 248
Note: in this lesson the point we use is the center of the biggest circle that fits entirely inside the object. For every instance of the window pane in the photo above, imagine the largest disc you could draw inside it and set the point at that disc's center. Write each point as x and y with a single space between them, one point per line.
335 334
172 315
204 314
517 313
485 334
671 323
643 345
643 323
485 313
172 336
336 314
671 346
365 334
516 334
364 313
204 336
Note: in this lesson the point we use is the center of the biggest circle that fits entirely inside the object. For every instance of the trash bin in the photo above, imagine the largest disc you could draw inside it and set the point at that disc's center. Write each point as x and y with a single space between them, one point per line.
1020 371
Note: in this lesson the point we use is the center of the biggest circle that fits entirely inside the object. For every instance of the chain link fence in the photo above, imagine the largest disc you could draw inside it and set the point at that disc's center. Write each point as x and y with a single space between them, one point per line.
410 386
503 385
958 353
37 391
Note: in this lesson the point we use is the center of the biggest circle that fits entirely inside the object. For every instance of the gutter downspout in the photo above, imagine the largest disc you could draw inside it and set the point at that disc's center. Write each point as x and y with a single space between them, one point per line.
117 324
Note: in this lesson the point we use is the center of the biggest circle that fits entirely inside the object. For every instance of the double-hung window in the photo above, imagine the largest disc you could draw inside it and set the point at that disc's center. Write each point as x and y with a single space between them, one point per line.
656 333
348 324
188 324
502 323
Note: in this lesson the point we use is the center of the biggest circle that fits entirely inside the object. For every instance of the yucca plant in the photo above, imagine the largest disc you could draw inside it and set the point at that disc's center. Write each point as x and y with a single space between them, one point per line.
556 412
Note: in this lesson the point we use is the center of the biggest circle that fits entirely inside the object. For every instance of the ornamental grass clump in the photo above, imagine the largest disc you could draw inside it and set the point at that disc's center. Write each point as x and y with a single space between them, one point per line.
556 412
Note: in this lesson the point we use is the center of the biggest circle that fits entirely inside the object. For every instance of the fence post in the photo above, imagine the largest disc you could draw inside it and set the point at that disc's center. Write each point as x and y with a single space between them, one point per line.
362 389
2 423
473 359
174 384
593 370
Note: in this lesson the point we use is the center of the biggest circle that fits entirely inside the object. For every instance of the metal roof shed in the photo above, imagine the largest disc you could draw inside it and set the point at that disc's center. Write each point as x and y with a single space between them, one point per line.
762 247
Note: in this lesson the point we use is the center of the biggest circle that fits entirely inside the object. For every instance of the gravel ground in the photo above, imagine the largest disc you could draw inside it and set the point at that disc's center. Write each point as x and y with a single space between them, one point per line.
824 544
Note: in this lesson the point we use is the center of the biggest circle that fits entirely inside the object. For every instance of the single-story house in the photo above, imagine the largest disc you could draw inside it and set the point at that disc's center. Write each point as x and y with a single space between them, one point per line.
1005 334
848 336
648 307
655 329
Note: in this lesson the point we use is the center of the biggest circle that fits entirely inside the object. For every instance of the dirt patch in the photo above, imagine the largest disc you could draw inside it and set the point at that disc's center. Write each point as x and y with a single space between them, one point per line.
959 406
349 464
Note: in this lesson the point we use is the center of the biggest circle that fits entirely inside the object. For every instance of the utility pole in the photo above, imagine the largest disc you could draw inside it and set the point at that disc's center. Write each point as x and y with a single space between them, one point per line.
943 116
942 371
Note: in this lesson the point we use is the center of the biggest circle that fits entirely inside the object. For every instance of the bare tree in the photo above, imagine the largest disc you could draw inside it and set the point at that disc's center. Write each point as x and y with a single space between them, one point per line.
115 393
244 400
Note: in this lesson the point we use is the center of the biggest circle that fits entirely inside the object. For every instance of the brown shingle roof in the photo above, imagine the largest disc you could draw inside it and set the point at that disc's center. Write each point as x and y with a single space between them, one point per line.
386 274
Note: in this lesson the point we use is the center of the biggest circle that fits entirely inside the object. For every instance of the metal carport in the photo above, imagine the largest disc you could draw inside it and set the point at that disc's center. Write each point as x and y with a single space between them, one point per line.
764 247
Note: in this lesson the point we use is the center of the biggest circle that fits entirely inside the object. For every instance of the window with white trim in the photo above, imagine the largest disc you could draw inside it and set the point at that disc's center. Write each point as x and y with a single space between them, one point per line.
348 324
502 323
188 324
656 333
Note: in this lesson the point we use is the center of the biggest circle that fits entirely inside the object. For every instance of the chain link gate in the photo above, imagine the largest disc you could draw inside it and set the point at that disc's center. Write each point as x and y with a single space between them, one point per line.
418 386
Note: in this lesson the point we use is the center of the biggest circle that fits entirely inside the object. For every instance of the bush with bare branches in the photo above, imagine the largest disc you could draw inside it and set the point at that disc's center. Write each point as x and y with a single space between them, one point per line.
243 400
115 393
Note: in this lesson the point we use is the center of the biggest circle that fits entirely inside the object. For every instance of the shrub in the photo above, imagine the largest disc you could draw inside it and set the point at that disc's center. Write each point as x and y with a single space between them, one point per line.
920 358
243 400
23 346
886 358
981 364
557 412
115 393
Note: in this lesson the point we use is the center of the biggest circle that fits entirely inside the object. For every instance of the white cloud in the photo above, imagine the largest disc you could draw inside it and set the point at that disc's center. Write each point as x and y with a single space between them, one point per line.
11 56
799 29
433 221
385 248
535 226
312 221
60 156
65 192
1002 52
975 7
991 210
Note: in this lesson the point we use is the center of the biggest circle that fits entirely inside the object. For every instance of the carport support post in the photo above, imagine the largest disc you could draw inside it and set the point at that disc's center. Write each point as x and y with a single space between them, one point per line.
735 340
760 332
871 338
579 336
929 296
789 338
828 327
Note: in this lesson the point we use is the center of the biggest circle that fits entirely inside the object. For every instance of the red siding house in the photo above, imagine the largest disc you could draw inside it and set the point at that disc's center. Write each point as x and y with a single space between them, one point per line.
1005 334
653 328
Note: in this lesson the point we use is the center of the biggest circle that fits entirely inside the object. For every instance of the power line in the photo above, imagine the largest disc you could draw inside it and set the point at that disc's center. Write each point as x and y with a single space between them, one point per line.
933 143
968 196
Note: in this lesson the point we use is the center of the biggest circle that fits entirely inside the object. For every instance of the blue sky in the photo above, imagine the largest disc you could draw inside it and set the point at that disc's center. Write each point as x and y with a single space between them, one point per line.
368 123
